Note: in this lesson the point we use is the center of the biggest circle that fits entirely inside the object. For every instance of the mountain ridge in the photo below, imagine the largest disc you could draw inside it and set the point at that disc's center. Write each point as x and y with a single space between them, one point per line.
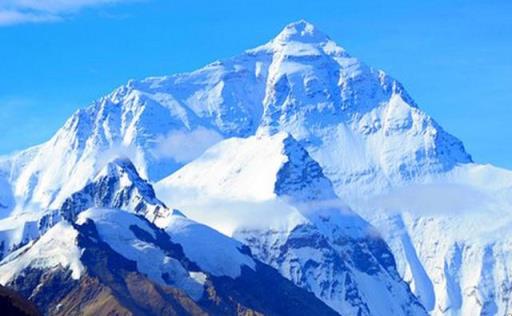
105 260
293 221
293 88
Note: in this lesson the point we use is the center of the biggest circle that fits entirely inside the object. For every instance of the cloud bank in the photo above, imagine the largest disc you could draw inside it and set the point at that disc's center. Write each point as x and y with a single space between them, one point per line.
37 11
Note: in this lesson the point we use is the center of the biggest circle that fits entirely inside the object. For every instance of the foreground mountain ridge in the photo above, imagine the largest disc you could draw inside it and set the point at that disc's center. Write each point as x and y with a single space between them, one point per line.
93 258
385 158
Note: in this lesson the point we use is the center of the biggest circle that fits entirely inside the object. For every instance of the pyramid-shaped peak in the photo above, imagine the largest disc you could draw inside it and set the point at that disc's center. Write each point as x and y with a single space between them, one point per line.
301 31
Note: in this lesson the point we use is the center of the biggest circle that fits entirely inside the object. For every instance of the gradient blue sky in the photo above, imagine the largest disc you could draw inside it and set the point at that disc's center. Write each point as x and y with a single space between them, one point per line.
454 57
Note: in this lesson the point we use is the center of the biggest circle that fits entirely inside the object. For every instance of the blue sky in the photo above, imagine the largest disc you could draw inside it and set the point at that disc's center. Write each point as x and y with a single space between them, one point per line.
454 57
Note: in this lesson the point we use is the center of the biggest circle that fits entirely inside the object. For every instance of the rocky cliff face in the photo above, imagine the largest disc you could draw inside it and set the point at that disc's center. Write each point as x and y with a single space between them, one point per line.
12 303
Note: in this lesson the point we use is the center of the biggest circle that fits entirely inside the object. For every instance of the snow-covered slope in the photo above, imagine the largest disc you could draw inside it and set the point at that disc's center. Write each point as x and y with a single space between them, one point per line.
450 236
213 252
6 195
56 248
125 234
277 201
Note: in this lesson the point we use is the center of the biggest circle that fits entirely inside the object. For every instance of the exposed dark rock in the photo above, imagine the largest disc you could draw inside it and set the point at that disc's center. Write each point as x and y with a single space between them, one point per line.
13 304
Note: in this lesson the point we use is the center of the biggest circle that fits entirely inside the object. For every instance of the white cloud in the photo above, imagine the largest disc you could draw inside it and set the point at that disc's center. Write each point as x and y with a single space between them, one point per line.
8 17
38 11
117 151
184 146
432 199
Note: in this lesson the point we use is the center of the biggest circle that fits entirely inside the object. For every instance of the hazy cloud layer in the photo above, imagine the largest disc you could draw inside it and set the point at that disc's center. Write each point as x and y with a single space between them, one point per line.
37 11
432 199
184 146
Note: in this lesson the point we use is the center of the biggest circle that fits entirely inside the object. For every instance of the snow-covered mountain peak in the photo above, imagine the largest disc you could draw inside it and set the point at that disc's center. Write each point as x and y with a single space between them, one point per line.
123 171
300 177
267 192
301 83
301 31
299 40
116 185
118 167
260 177
270 165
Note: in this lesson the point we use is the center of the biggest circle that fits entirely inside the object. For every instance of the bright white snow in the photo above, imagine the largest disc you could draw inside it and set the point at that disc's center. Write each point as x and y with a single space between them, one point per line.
114 228
57 248
214 252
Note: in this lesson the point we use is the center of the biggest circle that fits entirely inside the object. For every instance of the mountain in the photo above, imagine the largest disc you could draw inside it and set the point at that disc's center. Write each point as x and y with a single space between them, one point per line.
300 82
267 192
385 157
116 185
93 259
111 261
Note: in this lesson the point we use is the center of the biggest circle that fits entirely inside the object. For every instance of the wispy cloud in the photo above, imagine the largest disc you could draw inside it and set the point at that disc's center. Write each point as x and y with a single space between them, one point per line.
184 146
37 11
10 17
